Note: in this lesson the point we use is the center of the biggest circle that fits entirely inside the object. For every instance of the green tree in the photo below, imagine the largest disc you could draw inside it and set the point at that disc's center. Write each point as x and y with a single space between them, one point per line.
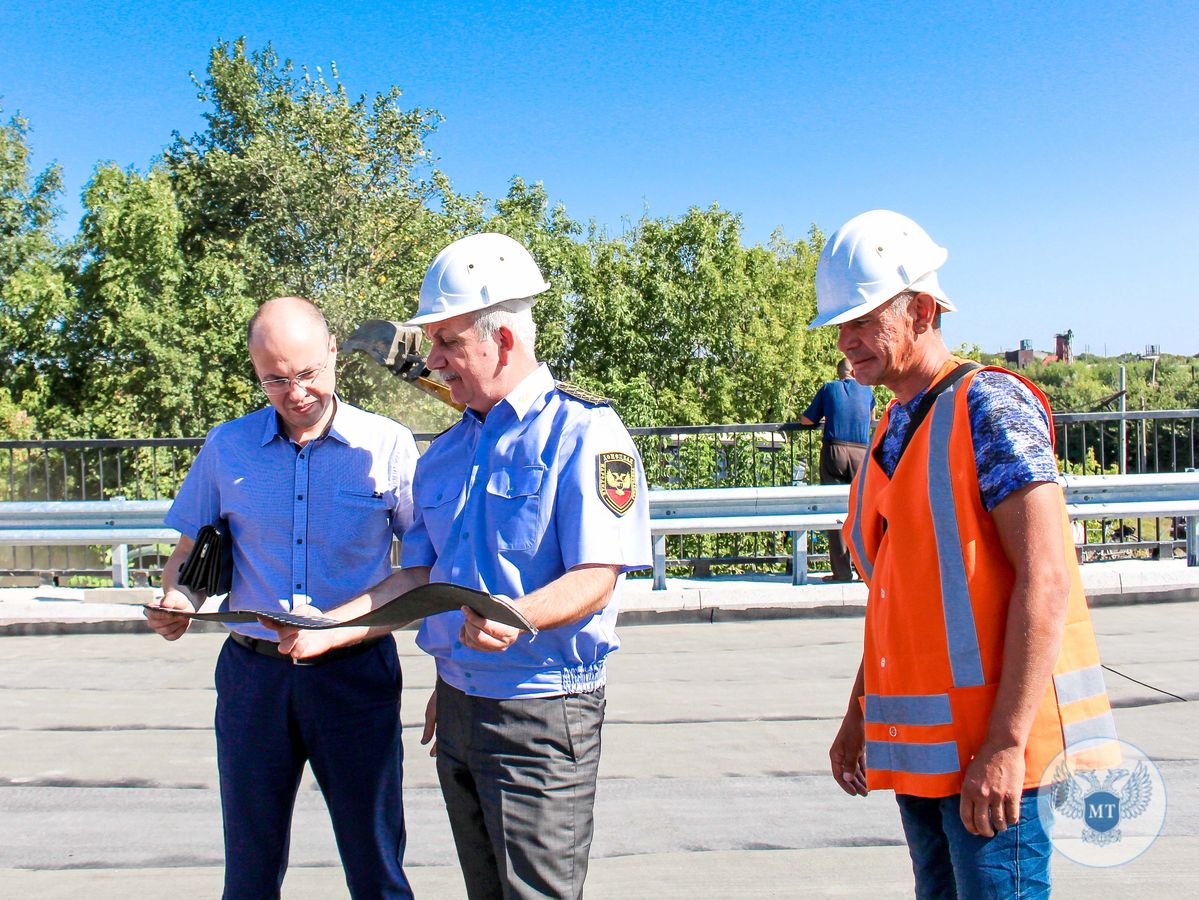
292 188
552 237
35 294
712 330
158 344
313 192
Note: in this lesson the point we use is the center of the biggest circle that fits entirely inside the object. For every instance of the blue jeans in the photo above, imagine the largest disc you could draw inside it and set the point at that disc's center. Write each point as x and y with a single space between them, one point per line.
949 861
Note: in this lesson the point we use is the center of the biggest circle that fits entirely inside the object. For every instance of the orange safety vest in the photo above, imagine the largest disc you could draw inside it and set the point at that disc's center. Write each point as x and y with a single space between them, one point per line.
940 585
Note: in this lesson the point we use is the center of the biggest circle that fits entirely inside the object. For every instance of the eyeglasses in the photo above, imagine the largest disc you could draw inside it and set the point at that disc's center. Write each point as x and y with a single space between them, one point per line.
276 387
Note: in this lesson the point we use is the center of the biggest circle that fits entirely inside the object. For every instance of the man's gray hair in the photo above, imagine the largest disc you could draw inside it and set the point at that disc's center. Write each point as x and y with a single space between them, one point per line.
515 315
901 301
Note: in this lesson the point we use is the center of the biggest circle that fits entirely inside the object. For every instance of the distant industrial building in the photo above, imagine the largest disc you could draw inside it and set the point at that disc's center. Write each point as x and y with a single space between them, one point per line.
1026 355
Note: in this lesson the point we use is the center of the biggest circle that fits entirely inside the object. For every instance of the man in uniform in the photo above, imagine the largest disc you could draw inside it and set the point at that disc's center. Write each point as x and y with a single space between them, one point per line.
313 490
537 494
979 663
847 409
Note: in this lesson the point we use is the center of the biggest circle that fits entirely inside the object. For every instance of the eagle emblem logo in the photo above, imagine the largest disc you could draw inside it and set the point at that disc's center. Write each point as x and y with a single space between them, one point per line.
1101 804
617 478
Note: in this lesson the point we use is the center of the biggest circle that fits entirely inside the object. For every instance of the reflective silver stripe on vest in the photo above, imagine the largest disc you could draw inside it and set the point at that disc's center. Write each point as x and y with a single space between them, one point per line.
919 759
960 633
913 709
1079 684
1096 729
855 533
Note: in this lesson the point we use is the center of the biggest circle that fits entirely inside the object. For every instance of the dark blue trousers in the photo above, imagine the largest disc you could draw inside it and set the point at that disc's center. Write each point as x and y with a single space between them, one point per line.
344 719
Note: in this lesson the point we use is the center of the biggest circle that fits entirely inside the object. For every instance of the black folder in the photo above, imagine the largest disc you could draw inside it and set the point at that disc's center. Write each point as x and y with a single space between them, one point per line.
426 600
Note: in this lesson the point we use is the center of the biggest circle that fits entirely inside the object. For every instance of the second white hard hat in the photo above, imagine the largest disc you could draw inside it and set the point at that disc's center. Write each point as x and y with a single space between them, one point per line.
474 273
869 260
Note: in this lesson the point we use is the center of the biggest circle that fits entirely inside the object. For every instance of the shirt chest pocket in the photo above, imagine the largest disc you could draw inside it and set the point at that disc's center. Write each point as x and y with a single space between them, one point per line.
514 506
361 507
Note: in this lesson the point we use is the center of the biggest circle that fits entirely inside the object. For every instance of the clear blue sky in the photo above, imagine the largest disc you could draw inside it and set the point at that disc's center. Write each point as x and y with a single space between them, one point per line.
1053 150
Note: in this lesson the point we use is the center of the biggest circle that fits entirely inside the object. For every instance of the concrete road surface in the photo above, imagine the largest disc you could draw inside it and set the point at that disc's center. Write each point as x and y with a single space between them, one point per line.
714 779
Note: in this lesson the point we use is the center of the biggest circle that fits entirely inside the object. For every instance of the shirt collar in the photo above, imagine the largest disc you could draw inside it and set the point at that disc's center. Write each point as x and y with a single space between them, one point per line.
273 428
535 386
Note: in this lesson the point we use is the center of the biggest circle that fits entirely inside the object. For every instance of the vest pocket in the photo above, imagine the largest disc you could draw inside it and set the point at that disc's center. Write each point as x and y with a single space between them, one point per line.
972 707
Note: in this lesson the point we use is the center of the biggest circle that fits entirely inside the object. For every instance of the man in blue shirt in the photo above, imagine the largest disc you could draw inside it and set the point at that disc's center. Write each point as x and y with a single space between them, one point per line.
313 490
847 409
538 494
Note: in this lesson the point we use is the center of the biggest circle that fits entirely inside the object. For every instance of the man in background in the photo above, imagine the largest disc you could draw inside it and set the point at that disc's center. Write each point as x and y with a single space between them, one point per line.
847 410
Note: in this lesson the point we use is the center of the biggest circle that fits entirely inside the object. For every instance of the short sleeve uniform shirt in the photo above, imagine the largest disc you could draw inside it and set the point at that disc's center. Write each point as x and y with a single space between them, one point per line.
511 502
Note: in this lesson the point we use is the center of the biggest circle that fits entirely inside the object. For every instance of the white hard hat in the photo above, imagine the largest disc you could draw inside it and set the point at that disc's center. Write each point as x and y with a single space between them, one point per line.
869 260
474 273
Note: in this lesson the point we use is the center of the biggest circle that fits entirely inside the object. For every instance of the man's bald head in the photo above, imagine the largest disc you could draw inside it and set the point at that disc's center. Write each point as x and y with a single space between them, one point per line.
286 312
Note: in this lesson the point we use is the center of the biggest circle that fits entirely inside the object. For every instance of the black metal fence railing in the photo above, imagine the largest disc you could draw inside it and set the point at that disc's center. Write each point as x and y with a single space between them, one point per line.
137 469
1152 441
708 456
675 457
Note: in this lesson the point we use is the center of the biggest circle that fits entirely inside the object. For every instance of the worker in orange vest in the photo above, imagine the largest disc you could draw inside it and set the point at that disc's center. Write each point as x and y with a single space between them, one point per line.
979 663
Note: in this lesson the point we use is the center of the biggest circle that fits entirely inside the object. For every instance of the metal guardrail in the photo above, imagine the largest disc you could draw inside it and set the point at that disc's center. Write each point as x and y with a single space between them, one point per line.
796 510
116 523
800 509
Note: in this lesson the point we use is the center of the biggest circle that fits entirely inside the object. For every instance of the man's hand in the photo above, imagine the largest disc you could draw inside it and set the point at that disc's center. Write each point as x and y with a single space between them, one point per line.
847 755
479 633
430 732
991 790
169 626
301 643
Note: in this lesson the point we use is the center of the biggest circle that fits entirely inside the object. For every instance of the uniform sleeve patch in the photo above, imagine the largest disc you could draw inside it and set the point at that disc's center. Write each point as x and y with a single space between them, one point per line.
617 481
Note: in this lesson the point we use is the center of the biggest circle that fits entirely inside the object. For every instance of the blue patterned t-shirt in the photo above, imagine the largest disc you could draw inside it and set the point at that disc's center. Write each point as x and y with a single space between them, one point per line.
1012 446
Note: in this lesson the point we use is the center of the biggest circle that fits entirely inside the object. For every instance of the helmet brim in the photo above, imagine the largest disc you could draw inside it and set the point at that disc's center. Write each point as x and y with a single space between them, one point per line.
441 315
833 317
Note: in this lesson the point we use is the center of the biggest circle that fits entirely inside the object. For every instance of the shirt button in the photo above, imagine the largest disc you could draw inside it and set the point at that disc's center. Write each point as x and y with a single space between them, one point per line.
299 586
299 540
892 731
299 496
883 593
468 675
883 664
458 645
465 535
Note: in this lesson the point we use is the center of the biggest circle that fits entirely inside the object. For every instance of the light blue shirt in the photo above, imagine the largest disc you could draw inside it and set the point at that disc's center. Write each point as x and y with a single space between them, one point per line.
310 524
511 502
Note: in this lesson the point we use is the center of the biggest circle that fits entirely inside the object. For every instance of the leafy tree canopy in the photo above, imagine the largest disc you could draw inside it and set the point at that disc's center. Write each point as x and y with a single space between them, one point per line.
136 326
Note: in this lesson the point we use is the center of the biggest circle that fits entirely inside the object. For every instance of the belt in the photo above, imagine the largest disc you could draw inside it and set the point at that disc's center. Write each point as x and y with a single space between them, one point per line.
271 649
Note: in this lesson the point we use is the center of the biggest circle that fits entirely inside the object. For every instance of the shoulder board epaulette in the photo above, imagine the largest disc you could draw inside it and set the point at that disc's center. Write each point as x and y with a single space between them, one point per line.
582 394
